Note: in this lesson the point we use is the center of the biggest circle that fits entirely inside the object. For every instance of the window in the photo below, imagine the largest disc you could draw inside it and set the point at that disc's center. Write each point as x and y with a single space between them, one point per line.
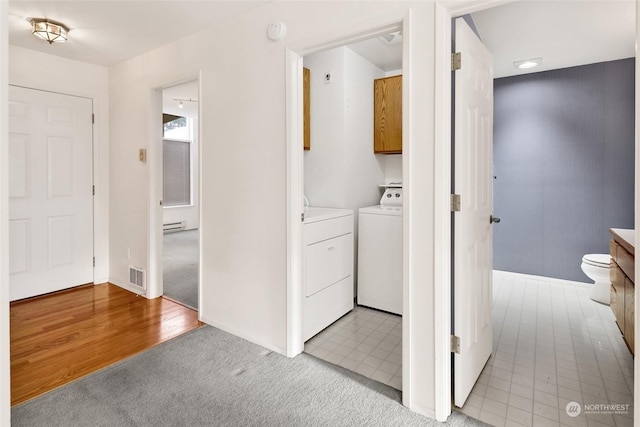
176 172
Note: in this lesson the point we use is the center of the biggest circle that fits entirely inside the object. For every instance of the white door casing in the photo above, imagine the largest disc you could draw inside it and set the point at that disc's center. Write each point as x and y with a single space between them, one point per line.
50 192
473 245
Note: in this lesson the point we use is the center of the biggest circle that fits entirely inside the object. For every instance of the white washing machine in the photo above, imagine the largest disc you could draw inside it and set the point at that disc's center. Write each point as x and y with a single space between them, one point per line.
380 253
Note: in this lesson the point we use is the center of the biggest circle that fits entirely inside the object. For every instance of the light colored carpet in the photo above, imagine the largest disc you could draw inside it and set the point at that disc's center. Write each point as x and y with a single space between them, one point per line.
180 268
210 378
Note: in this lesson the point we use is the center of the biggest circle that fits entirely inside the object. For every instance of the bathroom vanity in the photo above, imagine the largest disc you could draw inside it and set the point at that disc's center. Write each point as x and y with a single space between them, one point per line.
622 248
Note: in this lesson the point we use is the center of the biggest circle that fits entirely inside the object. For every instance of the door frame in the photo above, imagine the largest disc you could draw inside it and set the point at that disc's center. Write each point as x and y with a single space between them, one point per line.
295 184
295 166
443 245
424 263
445 11
155 285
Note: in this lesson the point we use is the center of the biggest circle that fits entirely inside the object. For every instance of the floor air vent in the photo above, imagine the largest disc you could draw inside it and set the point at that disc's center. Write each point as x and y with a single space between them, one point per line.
137 277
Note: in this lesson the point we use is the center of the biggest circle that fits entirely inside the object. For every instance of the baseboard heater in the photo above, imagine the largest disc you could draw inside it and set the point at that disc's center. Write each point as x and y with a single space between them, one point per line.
174 226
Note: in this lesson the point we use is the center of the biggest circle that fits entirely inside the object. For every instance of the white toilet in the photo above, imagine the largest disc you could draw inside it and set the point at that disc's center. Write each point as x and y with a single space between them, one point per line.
596 267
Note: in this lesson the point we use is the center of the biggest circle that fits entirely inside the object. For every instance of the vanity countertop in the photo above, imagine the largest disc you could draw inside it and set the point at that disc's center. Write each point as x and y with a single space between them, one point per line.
626 238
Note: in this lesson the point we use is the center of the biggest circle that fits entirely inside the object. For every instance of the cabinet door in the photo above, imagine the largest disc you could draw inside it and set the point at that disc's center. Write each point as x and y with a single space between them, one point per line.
387 115
617 283
306 95
629 312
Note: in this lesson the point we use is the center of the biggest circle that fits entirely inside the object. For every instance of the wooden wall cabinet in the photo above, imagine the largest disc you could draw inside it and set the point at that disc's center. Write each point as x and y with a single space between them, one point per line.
622 301
306 96
387 115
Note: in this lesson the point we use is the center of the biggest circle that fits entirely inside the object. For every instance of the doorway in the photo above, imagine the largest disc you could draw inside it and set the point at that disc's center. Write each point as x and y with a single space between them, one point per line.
180 194
542 361
342 103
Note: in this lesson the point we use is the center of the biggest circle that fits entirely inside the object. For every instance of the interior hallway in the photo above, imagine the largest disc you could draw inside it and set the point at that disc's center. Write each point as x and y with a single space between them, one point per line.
181 266
60 337
552 345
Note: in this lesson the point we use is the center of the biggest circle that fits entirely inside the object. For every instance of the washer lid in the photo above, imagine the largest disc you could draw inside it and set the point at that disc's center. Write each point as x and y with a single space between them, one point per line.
382 210
597 260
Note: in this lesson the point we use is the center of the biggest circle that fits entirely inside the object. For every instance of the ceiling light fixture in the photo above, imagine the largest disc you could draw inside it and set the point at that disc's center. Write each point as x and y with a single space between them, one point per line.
525 64
182 101
49 31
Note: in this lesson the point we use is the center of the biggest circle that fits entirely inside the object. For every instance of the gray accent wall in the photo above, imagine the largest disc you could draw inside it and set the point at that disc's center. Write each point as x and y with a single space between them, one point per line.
563 166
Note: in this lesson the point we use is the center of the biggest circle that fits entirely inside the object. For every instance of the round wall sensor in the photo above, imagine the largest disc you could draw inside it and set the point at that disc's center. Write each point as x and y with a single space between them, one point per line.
276 30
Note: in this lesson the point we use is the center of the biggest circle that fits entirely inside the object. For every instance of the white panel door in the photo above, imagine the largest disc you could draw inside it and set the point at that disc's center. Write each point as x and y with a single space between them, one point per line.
50 192
473 244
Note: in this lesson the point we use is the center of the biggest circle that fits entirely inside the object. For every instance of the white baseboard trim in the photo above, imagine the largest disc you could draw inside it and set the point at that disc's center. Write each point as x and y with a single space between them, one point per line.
241 334
128 287
509 274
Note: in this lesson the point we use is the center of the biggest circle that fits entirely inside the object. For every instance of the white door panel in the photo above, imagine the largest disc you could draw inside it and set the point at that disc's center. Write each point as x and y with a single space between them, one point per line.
473 245
50 192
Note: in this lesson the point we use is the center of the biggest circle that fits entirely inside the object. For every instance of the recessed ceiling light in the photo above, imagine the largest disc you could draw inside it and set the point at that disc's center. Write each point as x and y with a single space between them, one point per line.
525 64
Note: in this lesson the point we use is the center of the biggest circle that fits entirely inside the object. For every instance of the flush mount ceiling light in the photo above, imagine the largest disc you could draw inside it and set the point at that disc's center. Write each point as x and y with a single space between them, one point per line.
49 31
525 64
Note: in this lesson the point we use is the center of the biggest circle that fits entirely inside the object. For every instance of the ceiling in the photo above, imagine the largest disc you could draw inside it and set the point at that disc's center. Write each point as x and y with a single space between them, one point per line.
386 56
105 32
563 33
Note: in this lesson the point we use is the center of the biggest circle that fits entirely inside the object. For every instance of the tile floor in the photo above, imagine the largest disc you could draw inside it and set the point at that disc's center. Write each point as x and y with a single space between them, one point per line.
552 346
365 341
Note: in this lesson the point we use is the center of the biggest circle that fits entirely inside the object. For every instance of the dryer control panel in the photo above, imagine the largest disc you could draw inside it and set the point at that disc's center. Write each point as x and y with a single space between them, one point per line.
391 197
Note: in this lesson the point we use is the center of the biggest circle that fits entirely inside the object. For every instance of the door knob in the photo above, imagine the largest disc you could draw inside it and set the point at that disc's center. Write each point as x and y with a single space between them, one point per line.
493 220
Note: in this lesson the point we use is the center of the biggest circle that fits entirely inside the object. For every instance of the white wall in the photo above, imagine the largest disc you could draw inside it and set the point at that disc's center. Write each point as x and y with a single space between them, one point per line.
341 169
86 80
243 156
5 373
393 168
324 163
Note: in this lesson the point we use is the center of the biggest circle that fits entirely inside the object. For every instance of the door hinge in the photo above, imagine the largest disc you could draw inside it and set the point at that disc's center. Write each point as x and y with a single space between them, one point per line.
456 61
455 203
302 217
455 344
94 261
93 190
93 118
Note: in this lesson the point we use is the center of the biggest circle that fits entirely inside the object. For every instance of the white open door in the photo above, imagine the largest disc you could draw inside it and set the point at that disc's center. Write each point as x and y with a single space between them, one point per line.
50 192
473 243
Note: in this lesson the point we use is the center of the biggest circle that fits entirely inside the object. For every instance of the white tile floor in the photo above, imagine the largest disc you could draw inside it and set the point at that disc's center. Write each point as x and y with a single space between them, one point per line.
552 345
365 341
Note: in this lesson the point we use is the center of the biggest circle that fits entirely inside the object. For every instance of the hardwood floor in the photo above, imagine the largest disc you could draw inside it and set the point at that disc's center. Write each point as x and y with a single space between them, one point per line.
63 336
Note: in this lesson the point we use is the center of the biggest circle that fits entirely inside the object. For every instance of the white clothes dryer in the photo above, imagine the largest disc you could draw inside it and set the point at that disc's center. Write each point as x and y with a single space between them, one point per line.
380 253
